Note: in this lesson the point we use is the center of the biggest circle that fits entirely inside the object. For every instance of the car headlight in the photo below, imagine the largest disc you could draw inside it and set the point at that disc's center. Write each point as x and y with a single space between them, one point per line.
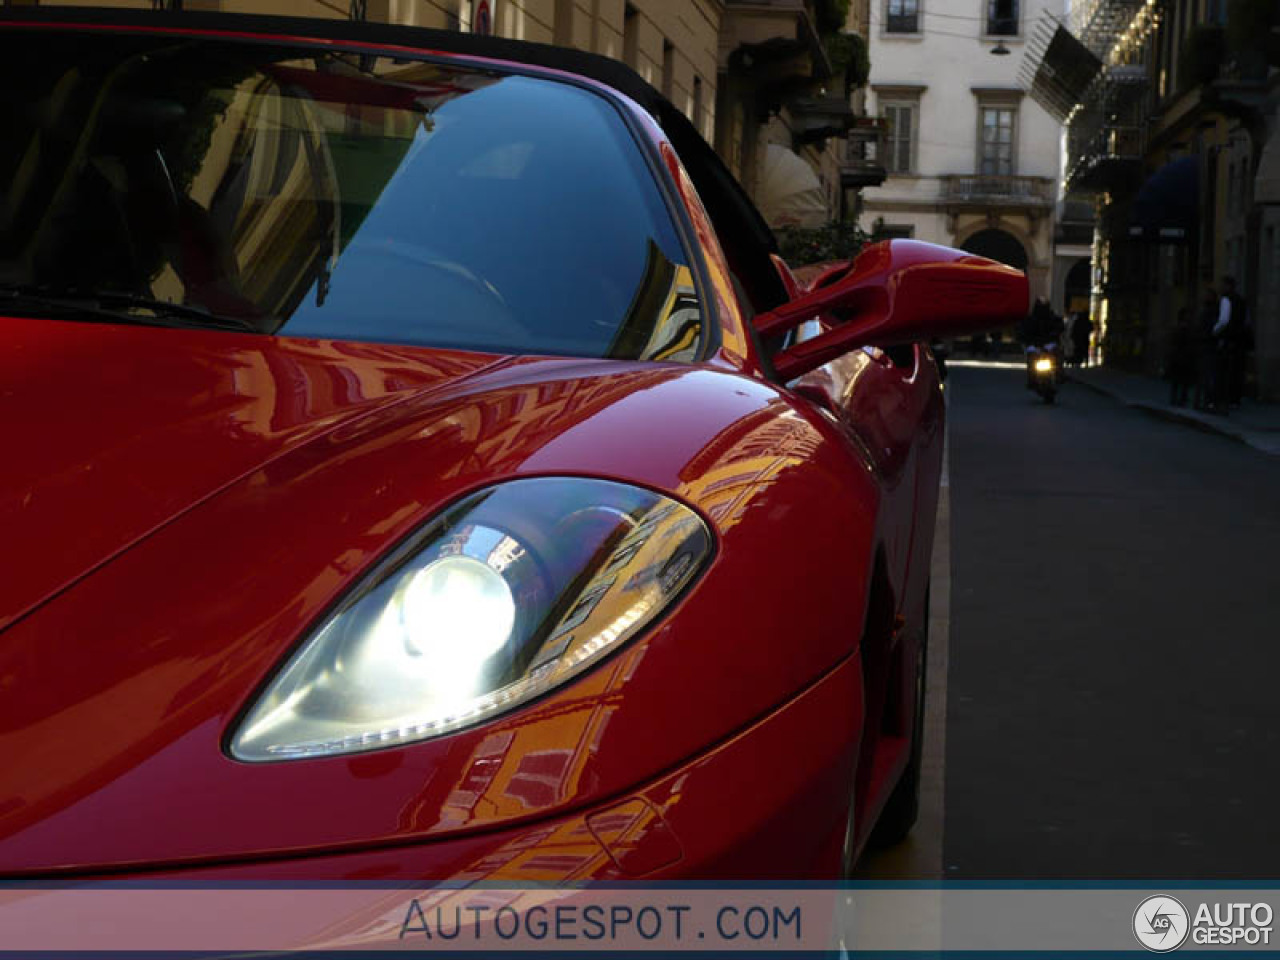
506 595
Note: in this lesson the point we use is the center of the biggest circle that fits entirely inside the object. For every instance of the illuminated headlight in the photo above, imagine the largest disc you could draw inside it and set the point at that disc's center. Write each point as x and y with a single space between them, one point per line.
1044 365
508 594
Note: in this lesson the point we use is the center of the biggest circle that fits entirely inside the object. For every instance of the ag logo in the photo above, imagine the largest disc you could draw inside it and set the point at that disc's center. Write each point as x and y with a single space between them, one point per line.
1161 923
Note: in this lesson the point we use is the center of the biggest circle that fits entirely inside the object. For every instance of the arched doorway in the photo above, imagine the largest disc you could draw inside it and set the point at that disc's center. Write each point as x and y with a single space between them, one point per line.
1077 287
997 245
1003 247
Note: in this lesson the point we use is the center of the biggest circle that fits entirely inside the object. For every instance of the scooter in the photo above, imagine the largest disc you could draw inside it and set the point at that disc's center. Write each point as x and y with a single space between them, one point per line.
1044 367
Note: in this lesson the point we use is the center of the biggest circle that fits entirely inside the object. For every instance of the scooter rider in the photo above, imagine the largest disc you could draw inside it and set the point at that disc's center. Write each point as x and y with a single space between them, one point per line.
1040 329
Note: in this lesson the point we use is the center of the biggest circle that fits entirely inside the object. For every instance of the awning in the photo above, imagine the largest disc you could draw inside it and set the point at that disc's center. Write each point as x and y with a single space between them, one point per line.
1167 207
1058 68
790 193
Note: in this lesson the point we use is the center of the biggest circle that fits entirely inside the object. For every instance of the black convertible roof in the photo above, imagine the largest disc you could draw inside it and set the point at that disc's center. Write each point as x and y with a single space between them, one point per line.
606 70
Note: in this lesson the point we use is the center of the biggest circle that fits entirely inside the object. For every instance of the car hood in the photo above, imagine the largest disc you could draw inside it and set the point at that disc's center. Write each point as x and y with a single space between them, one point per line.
118 695
111 431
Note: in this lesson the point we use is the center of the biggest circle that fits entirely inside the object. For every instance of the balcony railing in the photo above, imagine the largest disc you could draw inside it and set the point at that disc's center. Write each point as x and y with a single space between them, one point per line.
776 42
819 118
1106 137
862 164
1109 159
1100 22
998 190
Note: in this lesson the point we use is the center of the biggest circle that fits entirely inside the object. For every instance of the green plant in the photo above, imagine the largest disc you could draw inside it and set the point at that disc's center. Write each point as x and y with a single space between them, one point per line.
848 55
831 15
837 240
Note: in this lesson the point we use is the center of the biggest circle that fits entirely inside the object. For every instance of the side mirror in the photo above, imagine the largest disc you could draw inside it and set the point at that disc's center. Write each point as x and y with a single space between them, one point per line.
896 292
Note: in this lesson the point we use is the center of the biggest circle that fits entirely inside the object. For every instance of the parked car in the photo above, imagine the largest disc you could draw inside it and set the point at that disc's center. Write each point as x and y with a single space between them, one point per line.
420 465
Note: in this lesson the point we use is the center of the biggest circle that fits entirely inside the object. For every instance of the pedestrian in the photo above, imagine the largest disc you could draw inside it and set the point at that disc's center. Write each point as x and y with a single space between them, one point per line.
1081 331
1206 352
1234 340
1181 363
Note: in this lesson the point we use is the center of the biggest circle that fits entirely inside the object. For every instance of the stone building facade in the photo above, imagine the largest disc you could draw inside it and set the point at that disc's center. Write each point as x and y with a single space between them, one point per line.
1173 114
972 161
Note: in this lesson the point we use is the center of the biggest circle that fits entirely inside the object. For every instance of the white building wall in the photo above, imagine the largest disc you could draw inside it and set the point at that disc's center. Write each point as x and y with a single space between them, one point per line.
946 62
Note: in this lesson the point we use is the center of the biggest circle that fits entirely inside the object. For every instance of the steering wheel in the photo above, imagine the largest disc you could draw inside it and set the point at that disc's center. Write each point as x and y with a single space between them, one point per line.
472 310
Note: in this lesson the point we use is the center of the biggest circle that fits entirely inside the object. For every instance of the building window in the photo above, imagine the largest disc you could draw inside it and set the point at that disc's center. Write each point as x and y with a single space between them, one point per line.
903 16
697 103
900 143
631 37
668 69
1002 18
563 30
996 144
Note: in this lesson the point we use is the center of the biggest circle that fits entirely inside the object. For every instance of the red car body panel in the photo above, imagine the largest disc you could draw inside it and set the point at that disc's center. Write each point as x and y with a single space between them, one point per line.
169 642
118 437
187 505
676 828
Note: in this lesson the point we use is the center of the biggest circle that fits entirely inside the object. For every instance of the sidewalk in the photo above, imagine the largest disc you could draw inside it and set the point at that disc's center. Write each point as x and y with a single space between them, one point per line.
1257 424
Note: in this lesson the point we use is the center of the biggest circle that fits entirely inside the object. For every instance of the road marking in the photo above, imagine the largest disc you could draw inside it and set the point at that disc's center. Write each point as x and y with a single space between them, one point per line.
1019 364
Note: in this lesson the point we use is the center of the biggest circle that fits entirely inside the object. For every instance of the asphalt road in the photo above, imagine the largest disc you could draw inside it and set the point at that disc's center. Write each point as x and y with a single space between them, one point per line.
1112 701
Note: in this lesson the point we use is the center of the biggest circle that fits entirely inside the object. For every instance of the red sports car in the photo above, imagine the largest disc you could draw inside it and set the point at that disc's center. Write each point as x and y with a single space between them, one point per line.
418 464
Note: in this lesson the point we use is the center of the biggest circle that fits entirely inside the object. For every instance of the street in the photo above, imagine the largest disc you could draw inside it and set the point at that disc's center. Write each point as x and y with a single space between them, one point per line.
1113 657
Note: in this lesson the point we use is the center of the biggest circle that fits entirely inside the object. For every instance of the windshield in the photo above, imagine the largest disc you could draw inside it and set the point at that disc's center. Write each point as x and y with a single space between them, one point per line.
335 196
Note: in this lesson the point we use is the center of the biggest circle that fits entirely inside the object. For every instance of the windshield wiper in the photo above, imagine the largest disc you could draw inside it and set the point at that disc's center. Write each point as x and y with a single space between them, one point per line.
117 307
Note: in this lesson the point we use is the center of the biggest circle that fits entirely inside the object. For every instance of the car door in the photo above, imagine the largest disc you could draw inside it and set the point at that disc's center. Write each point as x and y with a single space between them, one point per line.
878 397
881 398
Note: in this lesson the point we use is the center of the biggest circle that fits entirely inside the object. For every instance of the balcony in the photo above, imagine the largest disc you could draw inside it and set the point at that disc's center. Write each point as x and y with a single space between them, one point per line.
773 42
1058 69
819 118
966 191
1107 136
1098 23
862 163
1075 222
1109 160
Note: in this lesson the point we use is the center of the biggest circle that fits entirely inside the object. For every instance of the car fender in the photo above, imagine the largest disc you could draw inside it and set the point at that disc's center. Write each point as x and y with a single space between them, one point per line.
178 633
